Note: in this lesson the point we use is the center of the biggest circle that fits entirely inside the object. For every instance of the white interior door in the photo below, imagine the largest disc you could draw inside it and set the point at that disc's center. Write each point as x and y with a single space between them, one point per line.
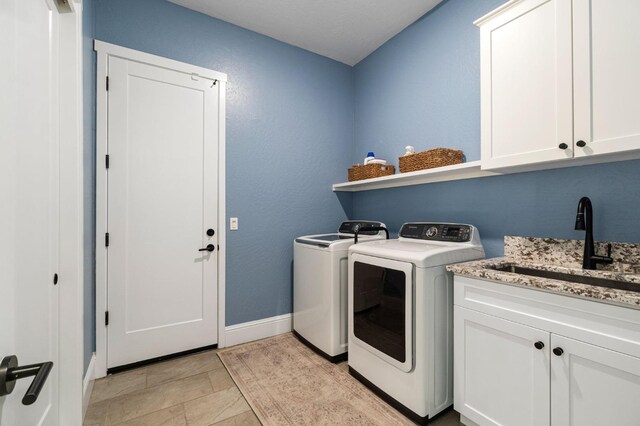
29 210
606 68
162 200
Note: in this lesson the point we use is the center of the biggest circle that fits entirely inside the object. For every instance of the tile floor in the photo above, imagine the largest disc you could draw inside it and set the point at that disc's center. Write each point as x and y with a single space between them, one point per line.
191 390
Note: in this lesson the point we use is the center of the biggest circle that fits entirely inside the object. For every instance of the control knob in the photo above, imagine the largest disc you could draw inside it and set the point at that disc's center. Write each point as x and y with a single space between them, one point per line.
432 232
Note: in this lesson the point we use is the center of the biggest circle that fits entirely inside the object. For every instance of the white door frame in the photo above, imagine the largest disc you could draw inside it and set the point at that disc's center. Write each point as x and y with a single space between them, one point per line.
71 175
104 51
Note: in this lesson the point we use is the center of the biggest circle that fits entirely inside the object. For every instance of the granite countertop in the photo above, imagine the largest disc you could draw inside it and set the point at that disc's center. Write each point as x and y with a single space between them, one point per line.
564 256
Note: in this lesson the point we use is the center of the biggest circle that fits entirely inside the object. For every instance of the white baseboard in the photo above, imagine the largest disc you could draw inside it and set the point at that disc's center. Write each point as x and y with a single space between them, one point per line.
255 330
467 422
87 387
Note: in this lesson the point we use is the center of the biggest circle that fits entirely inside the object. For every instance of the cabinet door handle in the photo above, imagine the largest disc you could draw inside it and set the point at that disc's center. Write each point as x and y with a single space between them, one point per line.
558 351
563 146
581 144
538 345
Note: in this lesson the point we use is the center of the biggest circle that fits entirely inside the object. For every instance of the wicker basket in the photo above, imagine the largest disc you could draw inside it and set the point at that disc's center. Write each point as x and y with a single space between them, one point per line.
429 159
359 172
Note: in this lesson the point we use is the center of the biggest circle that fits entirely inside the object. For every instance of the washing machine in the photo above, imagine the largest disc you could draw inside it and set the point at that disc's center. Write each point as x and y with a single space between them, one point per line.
400 314
320 286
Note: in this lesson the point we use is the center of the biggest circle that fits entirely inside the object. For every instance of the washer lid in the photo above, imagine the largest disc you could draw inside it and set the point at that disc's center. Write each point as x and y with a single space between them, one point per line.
422 254
324 240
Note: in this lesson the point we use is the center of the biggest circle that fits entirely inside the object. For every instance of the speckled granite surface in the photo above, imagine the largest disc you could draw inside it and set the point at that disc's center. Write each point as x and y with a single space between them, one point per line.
563 256
569 252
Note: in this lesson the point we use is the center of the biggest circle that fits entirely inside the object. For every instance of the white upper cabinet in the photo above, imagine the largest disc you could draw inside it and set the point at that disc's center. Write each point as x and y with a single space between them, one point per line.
559 81
606 77
526 84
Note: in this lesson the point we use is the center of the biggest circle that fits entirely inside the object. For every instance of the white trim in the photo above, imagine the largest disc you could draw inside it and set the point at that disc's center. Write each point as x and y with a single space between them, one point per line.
222 214
260 329
104 51
87 388
101 216
134 55
71 263
495 12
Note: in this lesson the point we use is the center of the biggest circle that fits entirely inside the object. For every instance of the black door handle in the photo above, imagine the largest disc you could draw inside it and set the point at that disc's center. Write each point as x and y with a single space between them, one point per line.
209 247
538 345
558 351
10 373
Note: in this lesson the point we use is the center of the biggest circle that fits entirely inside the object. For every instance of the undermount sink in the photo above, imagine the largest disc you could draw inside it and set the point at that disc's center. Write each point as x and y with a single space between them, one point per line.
581 279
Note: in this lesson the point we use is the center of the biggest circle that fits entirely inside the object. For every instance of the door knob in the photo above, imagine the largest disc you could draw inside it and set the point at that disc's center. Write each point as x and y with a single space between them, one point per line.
563 146
538 345
557 351
209 247
581 144
10 373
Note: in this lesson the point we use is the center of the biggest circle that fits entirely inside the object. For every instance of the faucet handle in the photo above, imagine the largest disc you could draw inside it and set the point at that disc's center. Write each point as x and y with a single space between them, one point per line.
609 250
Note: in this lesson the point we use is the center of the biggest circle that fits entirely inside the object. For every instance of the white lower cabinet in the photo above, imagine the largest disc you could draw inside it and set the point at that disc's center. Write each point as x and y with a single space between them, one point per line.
500 377
591 385
512 367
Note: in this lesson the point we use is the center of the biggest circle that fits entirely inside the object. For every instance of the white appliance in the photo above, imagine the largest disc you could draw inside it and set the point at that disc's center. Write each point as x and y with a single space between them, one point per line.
320 286
401 314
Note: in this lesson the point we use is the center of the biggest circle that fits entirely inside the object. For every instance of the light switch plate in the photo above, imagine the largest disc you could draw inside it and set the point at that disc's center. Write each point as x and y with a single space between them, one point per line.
233 223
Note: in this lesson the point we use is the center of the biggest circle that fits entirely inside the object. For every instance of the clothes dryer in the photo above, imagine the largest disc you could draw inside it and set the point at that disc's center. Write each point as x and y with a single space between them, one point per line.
401 314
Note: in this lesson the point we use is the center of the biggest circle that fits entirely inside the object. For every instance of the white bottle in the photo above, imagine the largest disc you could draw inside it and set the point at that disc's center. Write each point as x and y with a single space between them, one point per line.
368 158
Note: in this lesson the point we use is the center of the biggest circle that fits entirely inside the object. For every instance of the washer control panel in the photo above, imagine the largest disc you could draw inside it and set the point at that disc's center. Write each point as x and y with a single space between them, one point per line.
349 227
453 232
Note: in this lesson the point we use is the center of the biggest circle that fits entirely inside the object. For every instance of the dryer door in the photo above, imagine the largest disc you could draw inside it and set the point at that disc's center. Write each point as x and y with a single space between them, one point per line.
381 308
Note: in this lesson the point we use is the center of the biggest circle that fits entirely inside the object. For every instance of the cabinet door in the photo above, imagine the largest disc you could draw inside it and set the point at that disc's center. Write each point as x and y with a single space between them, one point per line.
606 70
500 377
591 385
526 84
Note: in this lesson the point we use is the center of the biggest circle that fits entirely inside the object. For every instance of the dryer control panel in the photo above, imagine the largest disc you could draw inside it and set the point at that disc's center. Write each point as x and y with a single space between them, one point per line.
450 232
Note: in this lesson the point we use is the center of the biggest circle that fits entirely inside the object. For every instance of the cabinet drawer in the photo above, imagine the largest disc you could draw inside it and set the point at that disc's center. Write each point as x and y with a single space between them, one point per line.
601 324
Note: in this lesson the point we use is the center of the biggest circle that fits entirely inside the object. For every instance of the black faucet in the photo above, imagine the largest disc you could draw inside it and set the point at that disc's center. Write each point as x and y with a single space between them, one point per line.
590 259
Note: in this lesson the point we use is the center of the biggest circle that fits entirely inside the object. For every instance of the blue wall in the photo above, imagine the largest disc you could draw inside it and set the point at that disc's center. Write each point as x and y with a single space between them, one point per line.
292 132
89 161
289 137
422 88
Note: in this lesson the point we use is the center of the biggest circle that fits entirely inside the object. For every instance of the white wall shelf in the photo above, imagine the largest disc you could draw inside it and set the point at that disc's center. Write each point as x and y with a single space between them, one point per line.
441 174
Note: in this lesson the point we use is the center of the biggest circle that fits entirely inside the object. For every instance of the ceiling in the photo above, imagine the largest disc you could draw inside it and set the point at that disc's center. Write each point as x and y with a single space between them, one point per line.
344 30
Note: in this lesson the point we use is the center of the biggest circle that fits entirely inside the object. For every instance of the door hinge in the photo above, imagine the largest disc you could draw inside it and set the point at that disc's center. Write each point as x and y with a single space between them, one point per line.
107 84
106 317
106 161
106 239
